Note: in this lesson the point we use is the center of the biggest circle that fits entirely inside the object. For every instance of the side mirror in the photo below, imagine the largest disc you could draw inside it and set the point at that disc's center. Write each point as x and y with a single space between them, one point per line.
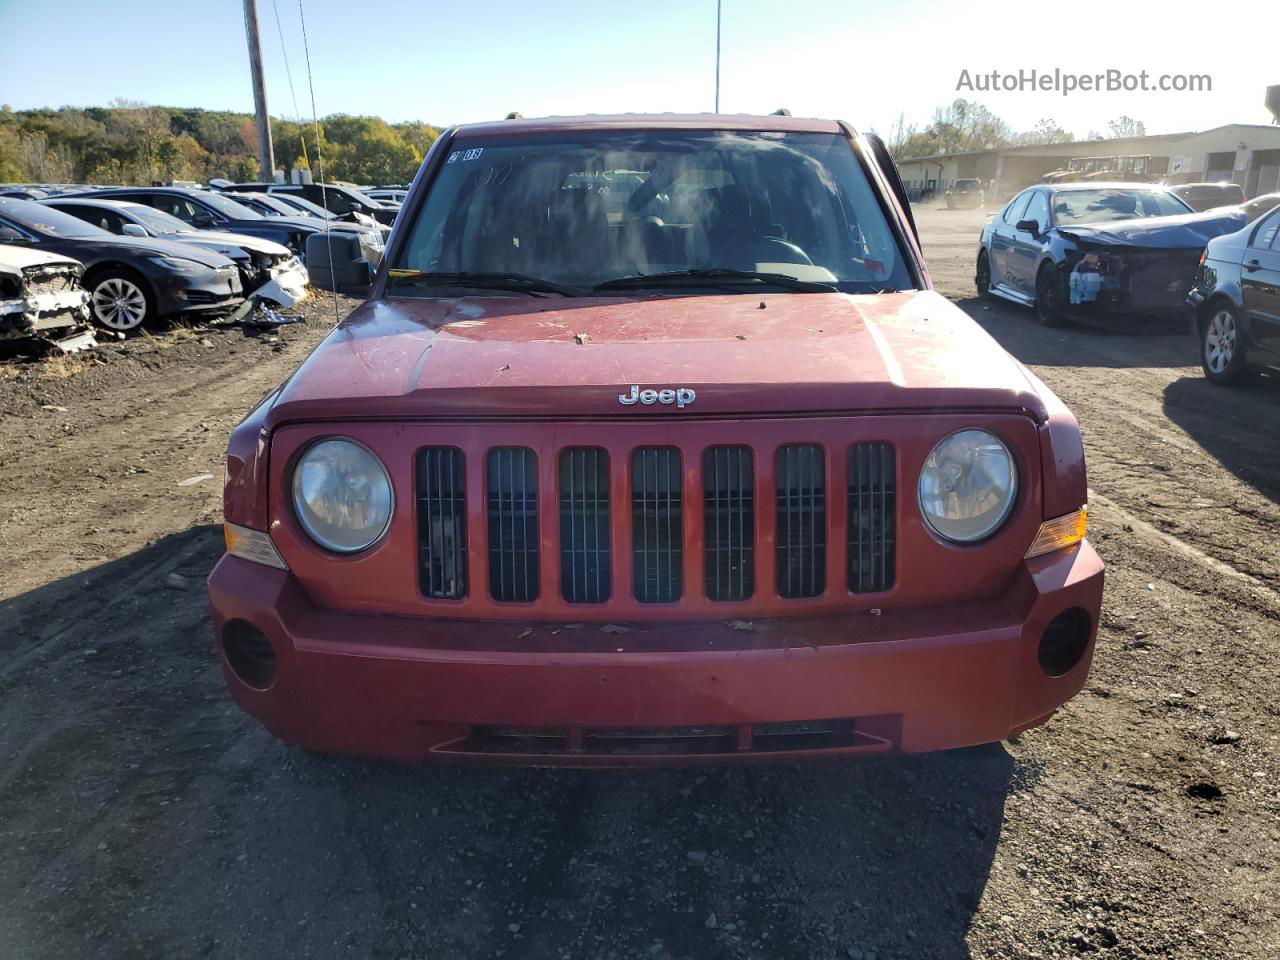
133 230
1029 226
10 235
202 220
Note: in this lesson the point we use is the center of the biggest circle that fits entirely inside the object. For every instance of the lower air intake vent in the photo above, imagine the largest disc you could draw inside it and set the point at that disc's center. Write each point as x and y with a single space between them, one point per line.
584 525
442 523
512 483
872 498
802 521
657 525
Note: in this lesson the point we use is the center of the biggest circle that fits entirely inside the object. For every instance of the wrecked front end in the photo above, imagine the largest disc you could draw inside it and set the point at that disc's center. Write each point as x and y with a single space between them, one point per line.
45 301
1140 267
276 278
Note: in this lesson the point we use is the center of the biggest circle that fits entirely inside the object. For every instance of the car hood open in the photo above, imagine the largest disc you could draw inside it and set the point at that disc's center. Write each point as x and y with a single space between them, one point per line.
749 354
1184 231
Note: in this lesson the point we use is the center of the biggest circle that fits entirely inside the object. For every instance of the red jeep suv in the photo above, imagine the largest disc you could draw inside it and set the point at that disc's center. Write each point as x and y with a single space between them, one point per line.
653 445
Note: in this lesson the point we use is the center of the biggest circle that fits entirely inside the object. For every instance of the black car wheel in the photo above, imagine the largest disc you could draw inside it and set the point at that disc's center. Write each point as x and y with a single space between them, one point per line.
982 278
120 300
1049 299
1221 350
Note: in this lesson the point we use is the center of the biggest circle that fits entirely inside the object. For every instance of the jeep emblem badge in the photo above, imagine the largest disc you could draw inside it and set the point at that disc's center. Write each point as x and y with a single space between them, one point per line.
681 396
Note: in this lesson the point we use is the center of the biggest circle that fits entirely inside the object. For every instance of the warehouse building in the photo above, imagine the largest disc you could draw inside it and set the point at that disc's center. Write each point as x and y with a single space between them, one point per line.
1246 153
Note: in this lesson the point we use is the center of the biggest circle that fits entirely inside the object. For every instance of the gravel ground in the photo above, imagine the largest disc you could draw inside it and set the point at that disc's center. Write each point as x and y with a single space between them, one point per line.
141 815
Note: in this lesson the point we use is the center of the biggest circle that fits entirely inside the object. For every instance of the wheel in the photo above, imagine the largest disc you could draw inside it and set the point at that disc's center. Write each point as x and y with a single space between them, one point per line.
120 300
1221 352
982 278
1049 299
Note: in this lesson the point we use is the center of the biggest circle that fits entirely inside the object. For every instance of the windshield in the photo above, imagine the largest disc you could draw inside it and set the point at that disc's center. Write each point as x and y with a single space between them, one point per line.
47 221
157 221
583 209
1097 206
228 207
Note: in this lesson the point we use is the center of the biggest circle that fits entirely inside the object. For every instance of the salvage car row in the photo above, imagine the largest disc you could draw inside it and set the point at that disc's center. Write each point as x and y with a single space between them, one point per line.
146 253
1124 250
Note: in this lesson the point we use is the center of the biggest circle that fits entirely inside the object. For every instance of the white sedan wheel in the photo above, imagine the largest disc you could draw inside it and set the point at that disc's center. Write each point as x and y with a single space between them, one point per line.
1220 341
119 304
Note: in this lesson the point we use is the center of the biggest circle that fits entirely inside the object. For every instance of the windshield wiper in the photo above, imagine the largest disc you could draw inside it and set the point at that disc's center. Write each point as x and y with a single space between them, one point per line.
717 277
516 282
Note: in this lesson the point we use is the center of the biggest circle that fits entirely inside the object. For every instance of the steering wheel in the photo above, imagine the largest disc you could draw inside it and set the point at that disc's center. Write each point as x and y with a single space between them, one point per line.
757 249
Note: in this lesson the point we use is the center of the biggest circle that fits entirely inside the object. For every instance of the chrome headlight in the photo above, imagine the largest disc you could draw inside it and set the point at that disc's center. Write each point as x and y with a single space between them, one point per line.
967 486
342 495
177 264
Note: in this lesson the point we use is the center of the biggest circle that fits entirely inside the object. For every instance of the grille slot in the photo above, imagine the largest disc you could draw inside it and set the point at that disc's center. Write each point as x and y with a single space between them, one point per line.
872 514
801 521
585 566
512 484
729 522
657 525
442 523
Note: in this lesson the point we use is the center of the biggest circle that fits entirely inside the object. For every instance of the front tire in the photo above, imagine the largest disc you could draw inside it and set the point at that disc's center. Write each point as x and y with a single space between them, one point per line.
982 276
1049 297
121 301
1221 349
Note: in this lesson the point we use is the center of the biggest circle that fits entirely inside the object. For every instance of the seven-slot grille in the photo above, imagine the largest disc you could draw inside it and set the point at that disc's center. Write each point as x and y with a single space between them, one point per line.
583 481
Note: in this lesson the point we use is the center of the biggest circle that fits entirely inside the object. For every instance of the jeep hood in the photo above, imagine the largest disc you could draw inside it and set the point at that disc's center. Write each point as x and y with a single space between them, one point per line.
748 354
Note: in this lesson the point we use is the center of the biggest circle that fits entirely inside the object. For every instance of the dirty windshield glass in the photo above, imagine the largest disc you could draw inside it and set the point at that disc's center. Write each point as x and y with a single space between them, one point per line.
1096 206
587 209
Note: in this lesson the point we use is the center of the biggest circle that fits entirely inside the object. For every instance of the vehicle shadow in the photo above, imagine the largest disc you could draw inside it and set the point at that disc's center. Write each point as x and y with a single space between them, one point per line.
144 814
1239 427
1142 342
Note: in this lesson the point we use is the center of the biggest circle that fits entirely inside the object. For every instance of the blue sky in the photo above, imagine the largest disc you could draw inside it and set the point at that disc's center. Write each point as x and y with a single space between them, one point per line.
454 62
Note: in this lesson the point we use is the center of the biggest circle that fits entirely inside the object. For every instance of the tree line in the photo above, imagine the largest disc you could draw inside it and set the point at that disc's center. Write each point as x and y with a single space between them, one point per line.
964 125
127 143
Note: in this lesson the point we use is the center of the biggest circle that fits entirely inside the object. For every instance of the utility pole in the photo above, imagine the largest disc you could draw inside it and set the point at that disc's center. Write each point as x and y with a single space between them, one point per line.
717 54
266 150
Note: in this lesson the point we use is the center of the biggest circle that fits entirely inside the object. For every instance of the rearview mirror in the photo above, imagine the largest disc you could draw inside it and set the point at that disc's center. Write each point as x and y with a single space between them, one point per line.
1029 226
133 230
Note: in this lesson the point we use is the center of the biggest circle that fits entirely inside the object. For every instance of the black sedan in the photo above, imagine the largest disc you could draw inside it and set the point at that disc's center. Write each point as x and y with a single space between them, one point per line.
1126 248
130 280
1236 298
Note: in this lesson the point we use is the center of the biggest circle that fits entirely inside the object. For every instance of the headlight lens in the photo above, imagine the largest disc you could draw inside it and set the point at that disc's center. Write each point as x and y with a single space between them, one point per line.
175 263
342 495
967 486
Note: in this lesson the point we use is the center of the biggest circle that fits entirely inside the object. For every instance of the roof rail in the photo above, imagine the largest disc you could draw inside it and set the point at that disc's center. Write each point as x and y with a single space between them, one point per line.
781 112
514 115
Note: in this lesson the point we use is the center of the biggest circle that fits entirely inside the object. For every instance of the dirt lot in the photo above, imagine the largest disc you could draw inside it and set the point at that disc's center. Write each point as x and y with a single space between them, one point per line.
141 815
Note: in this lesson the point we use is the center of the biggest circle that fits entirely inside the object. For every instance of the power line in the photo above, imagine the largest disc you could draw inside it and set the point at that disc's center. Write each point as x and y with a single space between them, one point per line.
315 122
284 52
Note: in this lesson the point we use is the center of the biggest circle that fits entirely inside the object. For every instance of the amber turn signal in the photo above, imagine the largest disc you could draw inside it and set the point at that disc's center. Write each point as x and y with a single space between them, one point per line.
1060 532
254 545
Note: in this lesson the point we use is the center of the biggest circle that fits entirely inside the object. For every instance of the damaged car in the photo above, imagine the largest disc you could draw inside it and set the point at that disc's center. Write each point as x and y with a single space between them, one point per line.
1120 249
131 280
41 297
268 271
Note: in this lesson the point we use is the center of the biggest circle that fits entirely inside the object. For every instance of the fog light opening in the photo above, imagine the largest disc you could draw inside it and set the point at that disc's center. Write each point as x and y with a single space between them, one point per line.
1064 641
249 654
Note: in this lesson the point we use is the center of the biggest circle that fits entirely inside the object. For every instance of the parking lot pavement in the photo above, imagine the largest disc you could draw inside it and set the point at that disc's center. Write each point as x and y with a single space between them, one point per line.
141 815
